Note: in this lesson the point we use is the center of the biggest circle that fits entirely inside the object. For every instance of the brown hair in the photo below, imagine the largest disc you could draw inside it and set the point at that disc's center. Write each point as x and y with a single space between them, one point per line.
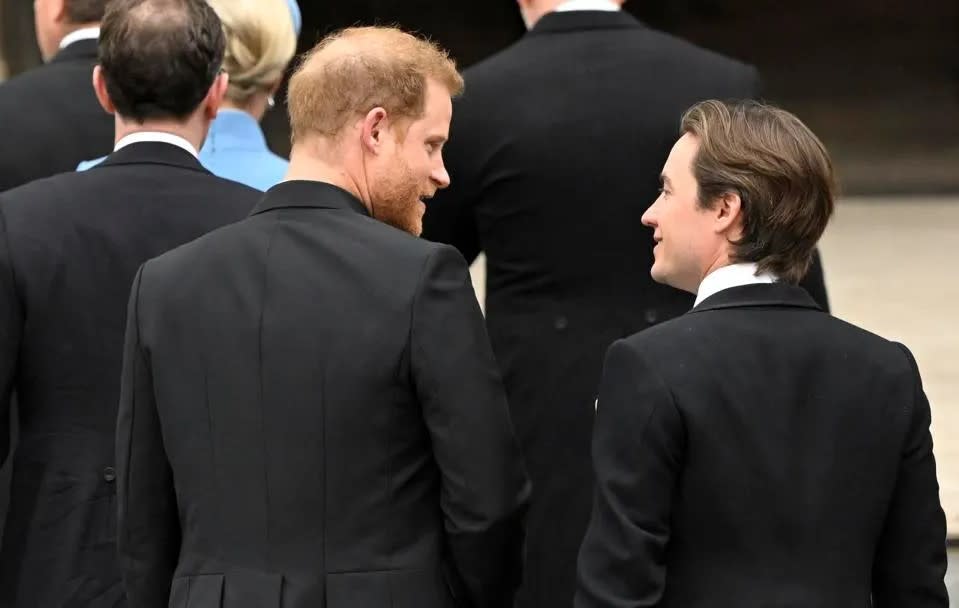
355 70
160 57
781 172
85 11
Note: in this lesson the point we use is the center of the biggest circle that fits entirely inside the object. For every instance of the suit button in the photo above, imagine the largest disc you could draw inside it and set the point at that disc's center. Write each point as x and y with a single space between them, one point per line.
561 323
109 475
651 315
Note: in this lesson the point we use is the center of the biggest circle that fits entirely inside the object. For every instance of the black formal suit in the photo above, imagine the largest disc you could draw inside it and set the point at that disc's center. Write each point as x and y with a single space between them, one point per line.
555 153
69 248
759 452
311 416
51 118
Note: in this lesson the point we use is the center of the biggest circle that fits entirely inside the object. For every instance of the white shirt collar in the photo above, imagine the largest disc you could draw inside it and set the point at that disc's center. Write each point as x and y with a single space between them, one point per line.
587 5
734 275
86 33
157 136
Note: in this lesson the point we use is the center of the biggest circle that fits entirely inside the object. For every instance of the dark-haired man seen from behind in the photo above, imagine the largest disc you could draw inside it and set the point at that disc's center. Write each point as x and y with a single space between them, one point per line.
757 451
50 116
69 248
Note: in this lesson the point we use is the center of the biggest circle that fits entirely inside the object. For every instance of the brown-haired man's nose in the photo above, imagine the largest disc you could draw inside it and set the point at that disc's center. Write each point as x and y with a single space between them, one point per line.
649 217
441 177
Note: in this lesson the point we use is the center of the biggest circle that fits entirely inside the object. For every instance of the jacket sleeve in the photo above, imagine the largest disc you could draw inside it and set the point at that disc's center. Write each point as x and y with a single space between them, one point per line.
910 563
485 489
11 330
148 529
638 447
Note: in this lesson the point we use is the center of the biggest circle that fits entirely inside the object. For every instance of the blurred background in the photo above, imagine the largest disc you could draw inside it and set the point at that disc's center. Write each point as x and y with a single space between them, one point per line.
877 80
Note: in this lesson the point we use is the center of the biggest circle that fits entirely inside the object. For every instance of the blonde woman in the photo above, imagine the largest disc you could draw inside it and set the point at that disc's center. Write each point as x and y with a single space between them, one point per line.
261 40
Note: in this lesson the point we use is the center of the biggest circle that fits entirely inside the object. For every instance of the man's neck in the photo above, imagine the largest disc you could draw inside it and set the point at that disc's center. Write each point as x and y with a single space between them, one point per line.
193 133
305 164
720 261
533 14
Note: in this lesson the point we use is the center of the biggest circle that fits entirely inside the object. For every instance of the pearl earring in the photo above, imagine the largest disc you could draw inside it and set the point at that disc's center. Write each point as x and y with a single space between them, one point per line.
270 101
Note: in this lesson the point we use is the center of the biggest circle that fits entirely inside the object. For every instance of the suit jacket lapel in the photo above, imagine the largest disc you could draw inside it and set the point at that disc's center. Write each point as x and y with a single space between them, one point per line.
305 193
153 153
81 49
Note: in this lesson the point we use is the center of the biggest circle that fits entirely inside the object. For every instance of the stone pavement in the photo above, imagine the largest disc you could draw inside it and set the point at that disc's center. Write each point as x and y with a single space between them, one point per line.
892 267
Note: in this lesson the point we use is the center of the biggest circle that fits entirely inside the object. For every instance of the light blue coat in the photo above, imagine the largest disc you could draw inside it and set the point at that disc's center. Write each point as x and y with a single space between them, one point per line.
235 149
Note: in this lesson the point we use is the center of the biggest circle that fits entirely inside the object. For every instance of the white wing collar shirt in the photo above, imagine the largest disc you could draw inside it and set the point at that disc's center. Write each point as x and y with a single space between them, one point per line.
86 33
587 5
734 275
156 136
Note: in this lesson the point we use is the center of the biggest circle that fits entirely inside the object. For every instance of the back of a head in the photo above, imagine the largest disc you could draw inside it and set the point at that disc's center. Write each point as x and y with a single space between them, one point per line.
54 19
781 172
160 57
355 70
260 42
80 12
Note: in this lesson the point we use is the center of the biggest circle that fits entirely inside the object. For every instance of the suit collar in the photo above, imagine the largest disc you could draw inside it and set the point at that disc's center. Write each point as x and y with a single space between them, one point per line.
81 49
732 275
153 153
173 139
574 21
311 194
768 294
84 33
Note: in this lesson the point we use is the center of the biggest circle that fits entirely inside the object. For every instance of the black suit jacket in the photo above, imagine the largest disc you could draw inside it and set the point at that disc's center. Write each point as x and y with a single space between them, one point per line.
759 452
69 248
312 416
555 153
51 118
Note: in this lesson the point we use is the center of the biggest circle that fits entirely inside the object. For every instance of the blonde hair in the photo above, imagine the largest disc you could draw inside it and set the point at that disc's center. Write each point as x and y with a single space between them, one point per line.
260 42
353 71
